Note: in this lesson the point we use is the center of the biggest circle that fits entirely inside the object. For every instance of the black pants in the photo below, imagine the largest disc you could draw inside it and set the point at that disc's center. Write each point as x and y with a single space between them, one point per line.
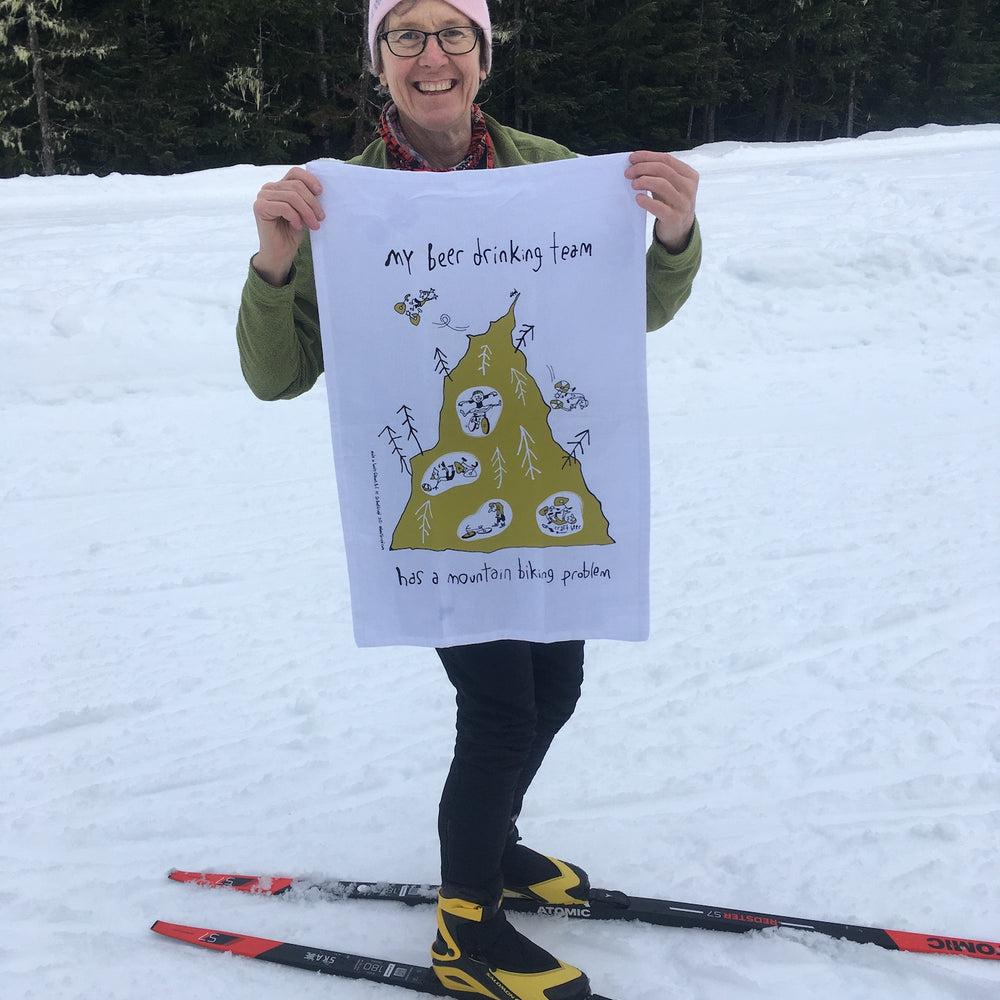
512 697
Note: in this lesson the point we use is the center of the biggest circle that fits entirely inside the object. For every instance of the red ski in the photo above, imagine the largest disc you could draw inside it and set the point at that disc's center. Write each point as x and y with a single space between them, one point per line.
331 963
607 904
419 978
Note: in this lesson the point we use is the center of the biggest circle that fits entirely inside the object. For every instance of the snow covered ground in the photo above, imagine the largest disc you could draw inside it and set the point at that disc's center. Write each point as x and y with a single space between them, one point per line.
813 728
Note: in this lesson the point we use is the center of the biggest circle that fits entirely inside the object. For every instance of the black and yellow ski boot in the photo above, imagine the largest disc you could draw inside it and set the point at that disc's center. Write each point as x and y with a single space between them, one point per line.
527 873
476 951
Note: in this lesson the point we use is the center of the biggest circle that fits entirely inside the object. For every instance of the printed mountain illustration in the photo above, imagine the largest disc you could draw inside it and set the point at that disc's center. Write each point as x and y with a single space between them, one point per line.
497 478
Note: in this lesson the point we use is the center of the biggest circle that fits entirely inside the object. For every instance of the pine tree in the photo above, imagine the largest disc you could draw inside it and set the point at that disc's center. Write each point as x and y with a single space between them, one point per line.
147 112
41 105
713 77
644 61
963 62
543 80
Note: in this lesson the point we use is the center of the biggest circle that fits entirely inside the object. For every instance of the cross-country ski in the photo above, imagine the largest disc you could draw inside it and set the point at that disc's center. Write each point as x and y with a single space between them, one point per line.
605 904
418 978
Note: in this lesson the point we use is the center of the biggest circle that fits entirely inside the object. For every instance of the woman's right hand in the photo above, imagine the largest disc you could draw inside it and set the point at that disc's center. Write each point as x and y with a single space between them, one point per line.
284 212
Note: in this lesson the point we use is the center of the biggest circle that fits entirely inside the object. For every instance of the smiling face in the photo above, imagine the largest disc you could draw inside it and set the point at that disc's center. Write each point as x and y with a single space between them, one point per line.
434 91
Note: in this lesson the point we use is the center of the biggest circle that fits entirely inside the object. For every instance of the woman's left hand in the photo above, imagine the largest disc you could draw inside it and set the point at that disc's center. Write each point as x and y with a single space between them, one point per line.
667 189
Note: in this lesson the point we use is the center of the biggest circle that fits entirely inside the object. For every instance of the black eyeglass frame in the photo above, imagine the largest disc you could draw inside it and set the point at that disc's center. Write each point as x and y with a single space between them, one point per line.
383 36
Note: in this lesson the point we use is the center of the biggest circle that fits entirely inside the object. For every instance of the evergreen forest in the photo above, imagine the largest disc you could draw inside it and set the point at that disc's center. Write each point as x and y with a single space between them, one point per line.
136 86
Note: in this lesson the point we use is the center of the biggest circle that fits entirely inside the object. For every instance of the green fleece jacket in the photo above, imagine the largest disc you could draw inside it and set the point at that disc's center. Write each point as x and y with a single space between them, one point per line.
281 352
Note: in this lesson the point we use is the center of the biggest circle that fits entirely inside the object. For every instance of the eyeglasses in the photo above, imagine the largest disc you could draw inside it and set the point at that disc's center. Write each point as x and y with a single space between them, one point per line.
409 42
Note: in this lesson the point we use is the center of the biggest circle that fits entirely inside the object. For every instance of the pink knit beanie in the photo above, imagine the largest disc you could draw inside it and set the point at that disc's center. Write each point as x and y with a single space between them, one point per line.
475 10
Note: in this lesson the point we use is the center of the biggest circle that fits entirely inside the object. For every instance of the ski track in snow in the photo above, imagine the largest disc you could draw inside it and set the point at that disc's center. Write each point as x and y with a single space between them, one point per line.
812 728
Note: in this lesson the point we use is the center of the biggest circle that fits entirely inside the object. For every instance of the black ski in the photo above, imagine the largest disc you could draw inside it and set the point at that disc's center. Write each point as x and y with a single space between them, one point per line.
607 904
419 978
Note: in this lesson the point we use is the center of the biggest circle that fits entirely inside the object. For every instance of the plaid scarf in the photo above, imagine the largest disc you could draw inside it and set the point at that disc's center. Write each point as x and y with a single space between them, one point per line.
402 156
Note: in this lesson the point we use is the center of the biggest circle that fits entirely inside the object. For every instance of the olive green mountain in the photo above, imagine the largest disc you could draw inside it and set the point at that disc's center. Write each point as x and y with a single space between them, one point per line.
496 477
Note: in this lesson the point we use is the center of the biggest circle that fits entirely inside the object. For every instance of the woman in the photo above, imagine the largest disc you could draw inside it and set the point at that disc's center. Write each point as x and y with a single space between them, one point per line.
512 696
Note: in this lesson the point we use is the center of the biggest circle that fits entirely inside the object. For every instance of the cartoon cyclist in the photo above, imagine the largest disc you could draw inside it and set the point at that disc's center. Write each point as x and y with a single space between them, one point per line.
445 473
558 515
498 510
567 398
475 410
413 306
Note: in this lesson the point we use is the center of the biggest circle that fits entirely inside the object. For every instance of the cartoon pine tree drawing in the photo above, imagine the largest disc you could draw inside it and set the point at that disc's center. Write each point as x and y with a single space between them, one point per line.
497 478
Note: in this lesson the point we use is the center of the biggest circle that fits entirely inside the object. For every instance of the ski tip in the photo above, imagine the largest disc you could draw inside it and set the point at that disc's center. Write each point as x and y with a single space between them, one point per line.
180 875
238 944
933 944
180 931
264 885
